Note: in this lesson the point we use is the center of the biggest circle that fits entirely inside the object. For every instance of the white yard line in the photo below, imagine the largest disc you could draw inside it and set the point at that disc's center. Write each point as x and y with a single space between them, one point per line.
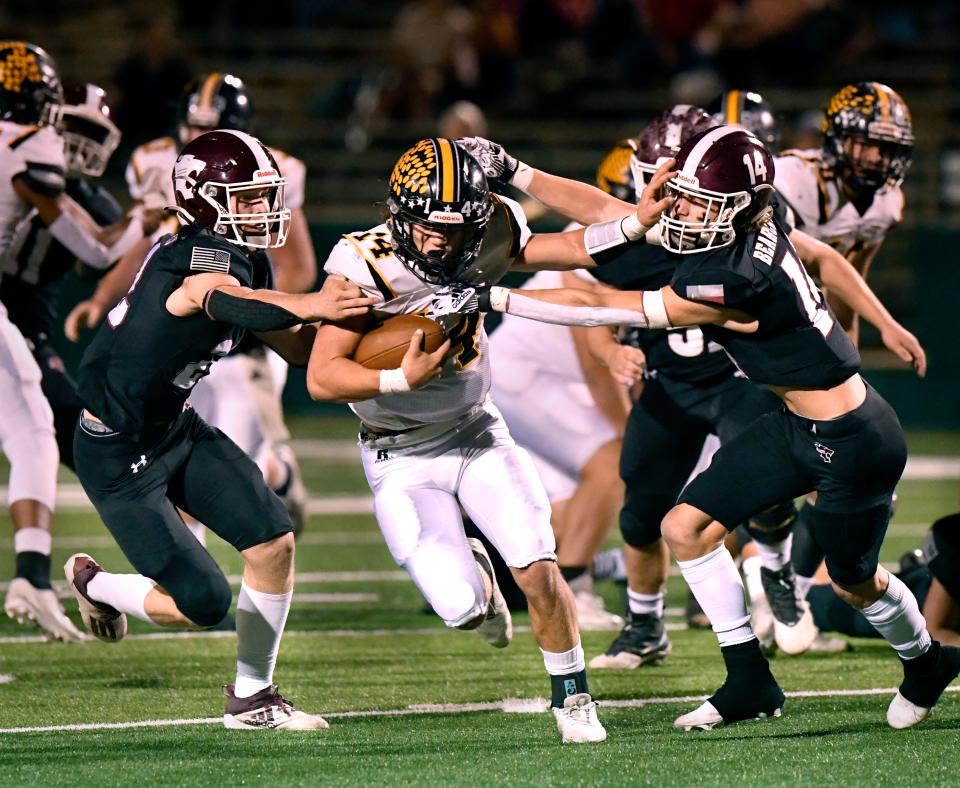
531 705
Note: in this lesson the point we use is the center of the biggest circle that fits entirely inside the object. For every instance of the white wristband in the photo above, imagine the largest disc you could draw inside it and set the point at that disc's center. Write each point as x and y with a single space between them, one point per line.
632 229
393 381
522 177
499 296
655 309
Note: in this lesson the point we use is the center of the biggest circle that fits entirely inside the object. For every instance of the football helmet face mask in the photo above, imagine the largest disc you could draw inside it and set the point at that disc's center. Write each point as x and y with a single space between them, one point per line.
439 206
30 88
662 138
724 178
89 135
615 174
213 101
749 110
868 136
228 182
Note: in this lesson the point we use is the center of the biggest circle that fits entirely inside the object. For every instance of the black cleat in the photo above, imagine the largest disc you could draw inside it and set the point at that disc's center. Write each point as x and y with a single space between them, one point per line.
781 589
924 680
643 641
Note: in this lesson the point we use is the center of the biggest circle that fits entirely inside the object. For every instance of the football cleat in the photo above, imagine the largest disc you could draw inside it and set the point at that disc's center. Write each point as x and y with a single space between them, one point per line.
762 621
780 586
924 680
27 604
828 644
706 717
267 709
497 627
578 722
105 622
591 613
642 641
797 638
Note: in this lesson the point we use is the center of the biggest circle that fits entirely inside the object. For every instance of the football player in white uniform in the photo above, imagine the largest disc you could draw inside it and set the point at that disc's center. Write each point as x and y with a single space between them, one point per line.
847 194
241 395
428 452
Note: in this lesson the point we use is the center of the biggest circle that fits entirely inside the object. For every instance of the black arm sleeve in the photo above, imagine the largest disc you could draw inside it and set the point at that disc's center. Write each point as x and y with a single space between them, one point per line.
248 312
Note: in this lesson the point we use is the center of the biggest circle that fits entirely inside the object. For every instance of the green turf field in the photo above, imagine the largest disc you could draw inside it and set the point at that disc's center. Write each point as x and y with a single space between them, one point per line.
410 702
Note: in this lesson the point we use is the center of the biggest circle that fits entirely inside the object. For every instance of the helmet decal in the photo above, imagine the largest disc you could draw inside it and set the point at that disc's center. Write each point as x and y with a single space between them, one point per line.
19 65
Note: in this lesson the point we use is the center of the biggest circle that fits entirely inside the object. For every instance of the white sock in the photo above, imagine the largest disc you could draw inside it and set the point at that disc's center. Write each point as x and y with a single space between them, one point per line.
565 662
803 586
260 621
197 529
126 593
775 556
716 584
646 604
897 617
751 573
32 540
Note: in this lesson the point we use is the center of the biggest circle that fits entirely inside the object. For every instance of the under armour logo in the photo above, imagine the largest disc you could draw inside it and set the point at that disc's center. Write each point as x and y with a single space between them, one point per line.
141 463
825 452
382 455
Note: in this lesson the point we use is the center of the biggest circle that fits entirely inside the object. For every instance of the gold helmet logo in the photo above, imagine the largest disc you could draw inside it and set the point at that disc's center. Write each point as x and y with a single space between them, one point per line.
614 170
413 170
17 65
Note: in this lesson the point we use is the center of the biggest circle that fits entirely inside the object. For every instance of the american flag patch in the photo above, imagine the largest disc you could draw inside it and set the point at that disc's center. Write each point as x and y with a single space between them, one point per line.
214 260
712 293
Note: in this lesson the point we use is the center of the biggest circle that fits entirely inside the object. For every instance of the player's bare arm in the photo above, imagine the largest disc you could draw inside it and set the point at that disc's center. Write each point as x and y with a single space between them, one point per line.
942 614
840 277
625 362
846 315
333 375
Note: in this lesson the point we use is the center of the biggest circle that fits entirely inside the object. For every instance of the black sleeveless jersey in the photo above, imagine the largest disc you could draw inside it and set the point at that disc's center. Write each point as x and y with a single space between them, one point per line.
35 263
678 353
143 362
798 341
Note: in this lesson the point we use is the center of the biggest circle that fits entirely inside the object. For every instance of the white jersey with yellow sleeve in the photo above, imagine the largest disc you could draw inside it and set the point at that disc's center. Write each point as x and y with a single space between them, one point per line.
150 171
34 154
367 259
820 208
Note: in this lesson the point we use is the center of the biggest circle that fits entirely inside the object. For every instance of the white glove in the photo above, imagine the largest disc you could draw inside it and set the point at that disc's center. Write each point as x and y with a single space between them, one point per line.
498 165
454 300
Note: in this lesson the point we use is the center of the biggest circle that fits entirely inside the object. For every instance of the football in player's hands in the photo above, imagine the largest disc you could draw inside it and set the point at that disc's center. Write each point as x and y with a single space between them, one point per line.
385 345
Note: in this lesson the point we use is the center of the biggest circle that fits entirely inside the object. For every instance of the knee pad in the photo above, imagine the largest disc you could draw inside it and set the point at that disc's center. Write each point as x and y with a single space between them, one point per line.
459 604
33 455
640 518
202 594
773 525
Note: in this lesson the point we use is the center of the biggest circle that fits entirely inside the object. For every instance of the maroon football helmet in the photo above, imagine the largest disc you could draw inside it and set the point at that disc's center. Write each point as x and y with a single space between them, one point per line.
89 134
726 171
223 180
662 138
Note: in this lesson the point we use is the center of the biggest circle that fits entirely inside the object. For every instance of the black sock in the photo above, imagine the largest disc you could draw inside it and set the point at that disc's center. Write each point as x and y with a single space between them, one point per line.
572 572
750 689
35 568
566 685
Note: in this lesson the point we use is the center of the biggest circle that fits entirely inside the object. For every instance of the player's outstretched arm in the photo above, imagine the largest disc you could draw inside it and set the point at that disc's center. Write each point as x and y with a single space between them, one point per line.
942 615
333 375
839 276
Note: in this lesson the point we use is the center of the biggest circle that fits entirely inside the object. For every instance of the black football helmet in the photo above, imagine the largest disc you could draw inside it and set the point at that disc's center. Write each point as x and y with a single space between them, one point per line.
218 173
30 88
89 134
438 186
214 101
730 173
872 113
750 110
614 175
662 138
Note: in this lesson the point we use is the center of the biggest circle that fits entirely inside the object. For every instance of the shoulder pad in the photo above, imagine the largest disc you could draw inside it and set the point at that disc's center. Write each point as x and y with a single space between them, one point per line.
514 219
352 259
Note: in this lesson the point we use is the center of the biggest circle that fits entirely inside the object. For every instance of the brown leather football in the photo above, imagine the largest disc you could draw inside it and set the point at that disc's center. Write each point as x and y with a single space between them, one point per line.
385 346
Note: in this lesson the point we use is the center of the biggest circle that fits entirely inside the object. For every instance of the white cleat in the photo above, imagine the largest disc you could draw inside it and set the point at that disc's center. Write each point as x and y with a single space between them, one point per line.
828 644
592 615
578 722
796 639
268 709
901 713
27 604
497 627
706 718
104 621
762 621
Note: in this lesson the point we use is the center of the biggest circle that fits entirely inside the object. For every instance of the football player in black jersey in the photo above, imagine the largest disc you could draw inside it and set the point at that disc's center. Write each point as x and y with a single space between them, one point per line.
140 453
738 276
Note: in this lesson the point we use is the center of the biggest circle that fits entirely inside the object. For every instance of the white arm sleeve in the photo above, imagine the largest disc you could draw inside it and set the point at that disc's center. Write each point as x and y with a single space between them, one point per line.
545 312
87 248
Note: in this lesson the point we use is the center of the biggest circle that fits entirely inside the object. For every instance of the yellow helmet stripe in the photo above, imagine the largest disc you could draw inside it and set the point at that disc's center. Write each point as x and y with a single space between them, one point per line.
884 97
448 171
731 110
209 86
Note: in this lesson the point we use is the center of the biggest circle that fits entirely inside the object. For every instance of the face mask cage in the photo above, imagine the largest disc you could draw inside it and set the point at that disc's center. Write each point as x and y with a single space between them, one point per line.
642 173
437 268
89 138
896 154
232 225
686 237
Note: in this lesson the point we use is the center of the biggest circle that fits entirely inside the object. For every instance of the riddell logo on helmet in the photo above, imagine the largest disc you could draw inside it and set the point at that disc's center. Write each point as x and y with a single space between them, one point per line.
689 180
445 217
265 174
